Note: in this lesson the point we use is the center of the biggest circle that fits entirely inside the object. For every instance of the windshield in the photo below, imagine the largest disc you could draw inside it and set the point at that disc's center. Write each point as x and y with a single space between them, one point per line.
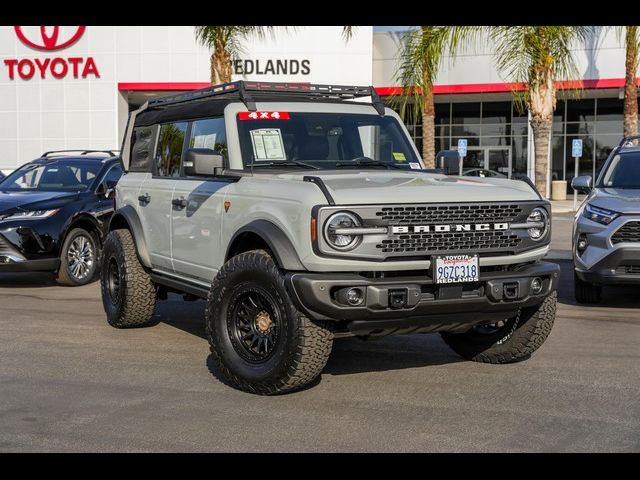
324 141
623 172
54 176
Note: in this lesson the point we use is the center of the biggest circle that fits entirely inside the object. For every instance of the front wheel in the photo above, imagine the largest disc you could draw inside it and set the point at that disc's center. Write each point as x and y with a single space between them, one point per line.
259 341
507 341
128 293
78 258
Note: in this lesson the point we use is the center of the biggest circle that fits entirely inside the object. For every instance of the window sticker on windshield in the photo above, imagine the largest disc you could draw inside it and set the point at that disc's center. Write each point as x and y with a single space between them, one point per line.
399 156
267 144
205 141
415 166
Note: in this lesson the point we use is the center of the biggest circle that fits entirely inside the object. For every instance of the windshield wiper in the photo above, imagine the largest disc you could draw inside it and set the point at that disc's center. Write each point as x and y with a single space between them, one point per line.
368 163
283 164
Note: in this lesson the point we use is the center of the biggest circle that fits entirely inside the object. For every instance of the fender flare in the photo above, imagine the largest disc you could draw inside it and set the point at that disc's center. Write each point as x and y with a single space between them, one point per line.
283 250
130 217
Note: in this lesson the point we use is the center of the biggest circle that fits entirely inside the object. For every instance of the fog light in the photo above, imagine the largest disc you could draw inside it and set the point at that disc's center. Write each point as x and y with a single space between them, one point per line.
581 244
355 297
536 286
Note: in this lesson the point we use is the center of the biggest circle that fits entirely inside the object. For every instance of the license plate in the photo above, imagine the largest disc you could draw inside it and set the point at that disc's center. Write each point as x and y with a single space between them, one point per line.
456 269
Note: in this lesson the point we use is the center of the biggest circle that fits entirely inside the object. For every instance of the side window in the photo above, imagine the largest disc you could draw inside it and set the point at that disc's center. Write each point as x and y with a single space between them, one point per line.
112 176
142 144
209 133
169 151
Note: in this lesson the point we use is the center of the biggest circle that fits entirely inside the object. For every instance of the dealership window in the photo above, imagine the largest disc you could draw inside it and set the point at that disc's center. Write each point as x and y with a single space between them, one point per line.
169 151
209 133
597 122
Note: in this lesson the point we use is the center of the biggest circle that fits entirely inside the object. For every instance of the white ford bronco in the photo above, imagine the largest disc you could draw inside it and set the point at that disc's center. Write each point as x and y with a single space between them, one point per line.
302 214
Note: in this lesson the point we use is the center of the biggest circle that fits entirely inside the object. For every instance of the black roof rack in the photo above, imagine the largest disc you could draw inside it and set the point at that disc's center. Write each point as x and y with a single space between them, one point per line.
82 152
244 88
626 141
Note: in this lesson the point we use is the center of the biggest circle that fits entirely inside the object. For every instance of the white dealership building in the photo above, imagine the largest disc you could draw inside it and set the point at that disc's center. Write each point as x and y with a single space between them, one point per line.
72 88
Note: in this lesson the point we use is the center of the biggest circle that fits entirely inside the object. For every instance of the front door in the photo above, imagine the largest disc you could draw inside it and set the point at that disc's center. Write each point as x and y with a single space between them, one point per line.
197 209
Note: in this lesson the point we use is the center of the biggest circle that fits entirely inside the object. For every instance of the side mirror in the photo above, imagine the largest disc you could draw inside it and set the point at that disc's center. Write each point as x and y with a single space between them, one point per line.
582 184
202 162
107 191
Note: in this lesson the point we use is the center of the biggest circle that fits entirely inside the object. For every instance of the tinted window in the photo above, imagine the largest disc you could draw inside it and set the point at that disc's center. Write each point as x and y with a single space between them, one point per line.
623 172
169 151
54 176
142 143
209 133
112 176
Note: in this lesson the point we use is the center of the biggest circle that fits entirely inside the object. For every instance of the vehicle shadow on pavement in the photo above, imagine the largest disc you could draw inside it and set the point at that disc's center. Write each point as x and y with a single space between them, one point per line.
31 280
352 355
612 297
185 316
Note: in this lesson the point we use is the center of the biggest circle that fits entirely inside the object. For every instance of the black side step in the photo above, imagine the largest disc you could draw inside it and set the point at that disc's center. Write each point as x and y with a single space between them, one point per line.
180 285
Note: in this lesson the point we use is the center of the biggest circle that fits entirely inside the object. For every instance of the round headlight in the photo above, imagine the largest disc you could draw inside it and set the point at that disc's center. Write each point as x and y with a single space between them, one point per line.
538 215
342 240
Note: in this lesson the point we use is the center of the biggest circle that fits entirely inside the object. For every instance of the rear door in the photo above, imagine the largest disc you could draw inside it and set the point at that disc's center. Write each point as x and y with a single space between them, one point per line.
197 209
156 193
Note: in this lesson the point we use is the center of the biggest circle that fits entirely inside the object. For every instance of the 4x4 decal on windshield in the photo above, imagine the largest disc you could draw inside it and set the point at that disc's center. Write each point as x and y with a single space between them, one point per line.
264 116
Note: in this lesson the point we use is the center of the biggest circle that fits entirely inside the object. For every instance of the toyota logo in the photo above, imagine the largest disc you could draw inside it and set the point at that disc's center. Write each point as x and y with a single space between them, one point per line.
49 38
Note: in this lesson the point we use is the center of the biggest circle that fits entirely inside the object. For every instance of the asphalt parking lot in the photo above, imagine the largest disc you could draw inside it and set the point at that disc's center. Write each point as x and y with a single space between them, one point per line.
69 382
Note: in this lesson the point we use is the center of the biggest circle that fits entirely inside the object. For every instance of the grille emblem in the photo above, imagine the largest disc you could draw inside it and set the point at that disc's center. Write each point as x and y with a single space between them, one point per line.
459 227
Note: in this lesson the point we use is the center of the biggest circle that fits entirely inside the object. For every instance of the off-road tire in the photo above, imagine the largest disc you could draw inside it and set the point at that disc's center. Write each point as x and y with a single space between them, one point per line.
134 305
586 292
301 350
64 275
516 341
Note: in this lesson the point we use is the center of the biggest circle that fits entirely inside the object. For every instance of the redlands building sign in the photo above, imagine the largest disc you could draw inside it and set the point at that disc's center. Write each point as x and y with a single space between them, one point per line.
48 39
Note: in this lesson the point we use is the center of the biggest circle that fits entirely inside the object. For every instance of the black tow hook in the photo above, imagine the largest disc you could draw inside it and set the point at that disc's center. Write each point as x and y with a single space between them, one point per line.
398 298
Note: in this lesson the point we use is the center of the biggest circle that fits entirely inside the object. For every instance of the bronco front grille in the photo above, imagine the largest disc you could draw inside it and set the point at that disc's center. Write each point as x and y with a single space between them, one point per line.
629 232
449 214
445 242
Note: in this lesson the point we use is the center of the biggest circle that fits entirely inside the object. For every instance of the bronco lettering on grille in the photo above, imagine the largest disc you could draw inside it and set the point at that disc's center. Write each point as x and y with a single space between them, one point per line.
462 227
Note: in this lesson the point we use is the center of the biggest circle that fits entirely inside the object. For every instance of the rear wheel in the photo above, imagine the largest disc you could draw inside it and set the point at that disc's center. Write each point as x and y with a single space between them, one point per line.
259 341
586 292
78 258
506 341
128 294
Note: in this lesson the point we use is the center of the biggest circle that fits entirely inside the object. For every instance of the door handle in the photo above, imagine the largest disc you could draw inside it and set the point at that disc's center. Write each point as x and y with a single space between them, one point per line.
146 198
179 202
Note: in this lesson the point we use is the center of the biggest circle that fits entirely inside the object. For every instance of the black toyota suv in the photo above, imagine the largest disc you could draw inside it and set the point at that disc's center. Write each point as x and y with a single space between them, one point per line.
54 211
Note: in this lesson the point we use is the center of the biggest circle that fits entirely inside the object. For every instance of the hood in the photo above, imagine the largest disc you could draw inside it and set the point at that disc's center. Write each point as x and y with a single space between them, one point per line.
10 201
375 187
619 200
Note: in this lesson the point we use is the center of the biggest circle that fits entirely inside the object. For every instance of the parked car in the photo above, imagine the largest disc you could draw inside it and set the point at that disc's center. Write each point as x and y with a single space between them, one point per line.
483 172
606 231
54 212
300 215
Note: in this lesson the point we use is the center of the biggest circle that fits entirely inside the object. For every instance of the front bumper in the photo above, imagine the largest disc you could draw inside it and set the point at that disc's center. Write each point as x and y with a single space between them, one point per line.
604 262
16 256
620 267
428 307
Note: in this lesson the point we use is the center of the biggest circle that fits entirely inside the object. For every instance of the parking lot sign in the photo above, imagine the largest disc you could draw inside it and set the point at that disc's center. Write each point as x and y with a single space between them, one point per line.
576 148
462 147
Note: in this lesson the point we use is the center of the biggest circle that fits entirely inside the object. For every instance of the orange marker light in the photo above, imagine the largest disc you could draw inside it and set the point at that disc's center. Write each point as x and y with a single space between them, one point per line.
314 230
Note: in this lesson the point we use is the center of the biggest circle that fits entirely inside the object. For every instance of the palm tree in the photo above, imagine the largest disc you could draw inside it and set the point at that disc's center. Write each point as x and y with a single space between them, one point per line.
225 44
632 45
537 56
421 58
